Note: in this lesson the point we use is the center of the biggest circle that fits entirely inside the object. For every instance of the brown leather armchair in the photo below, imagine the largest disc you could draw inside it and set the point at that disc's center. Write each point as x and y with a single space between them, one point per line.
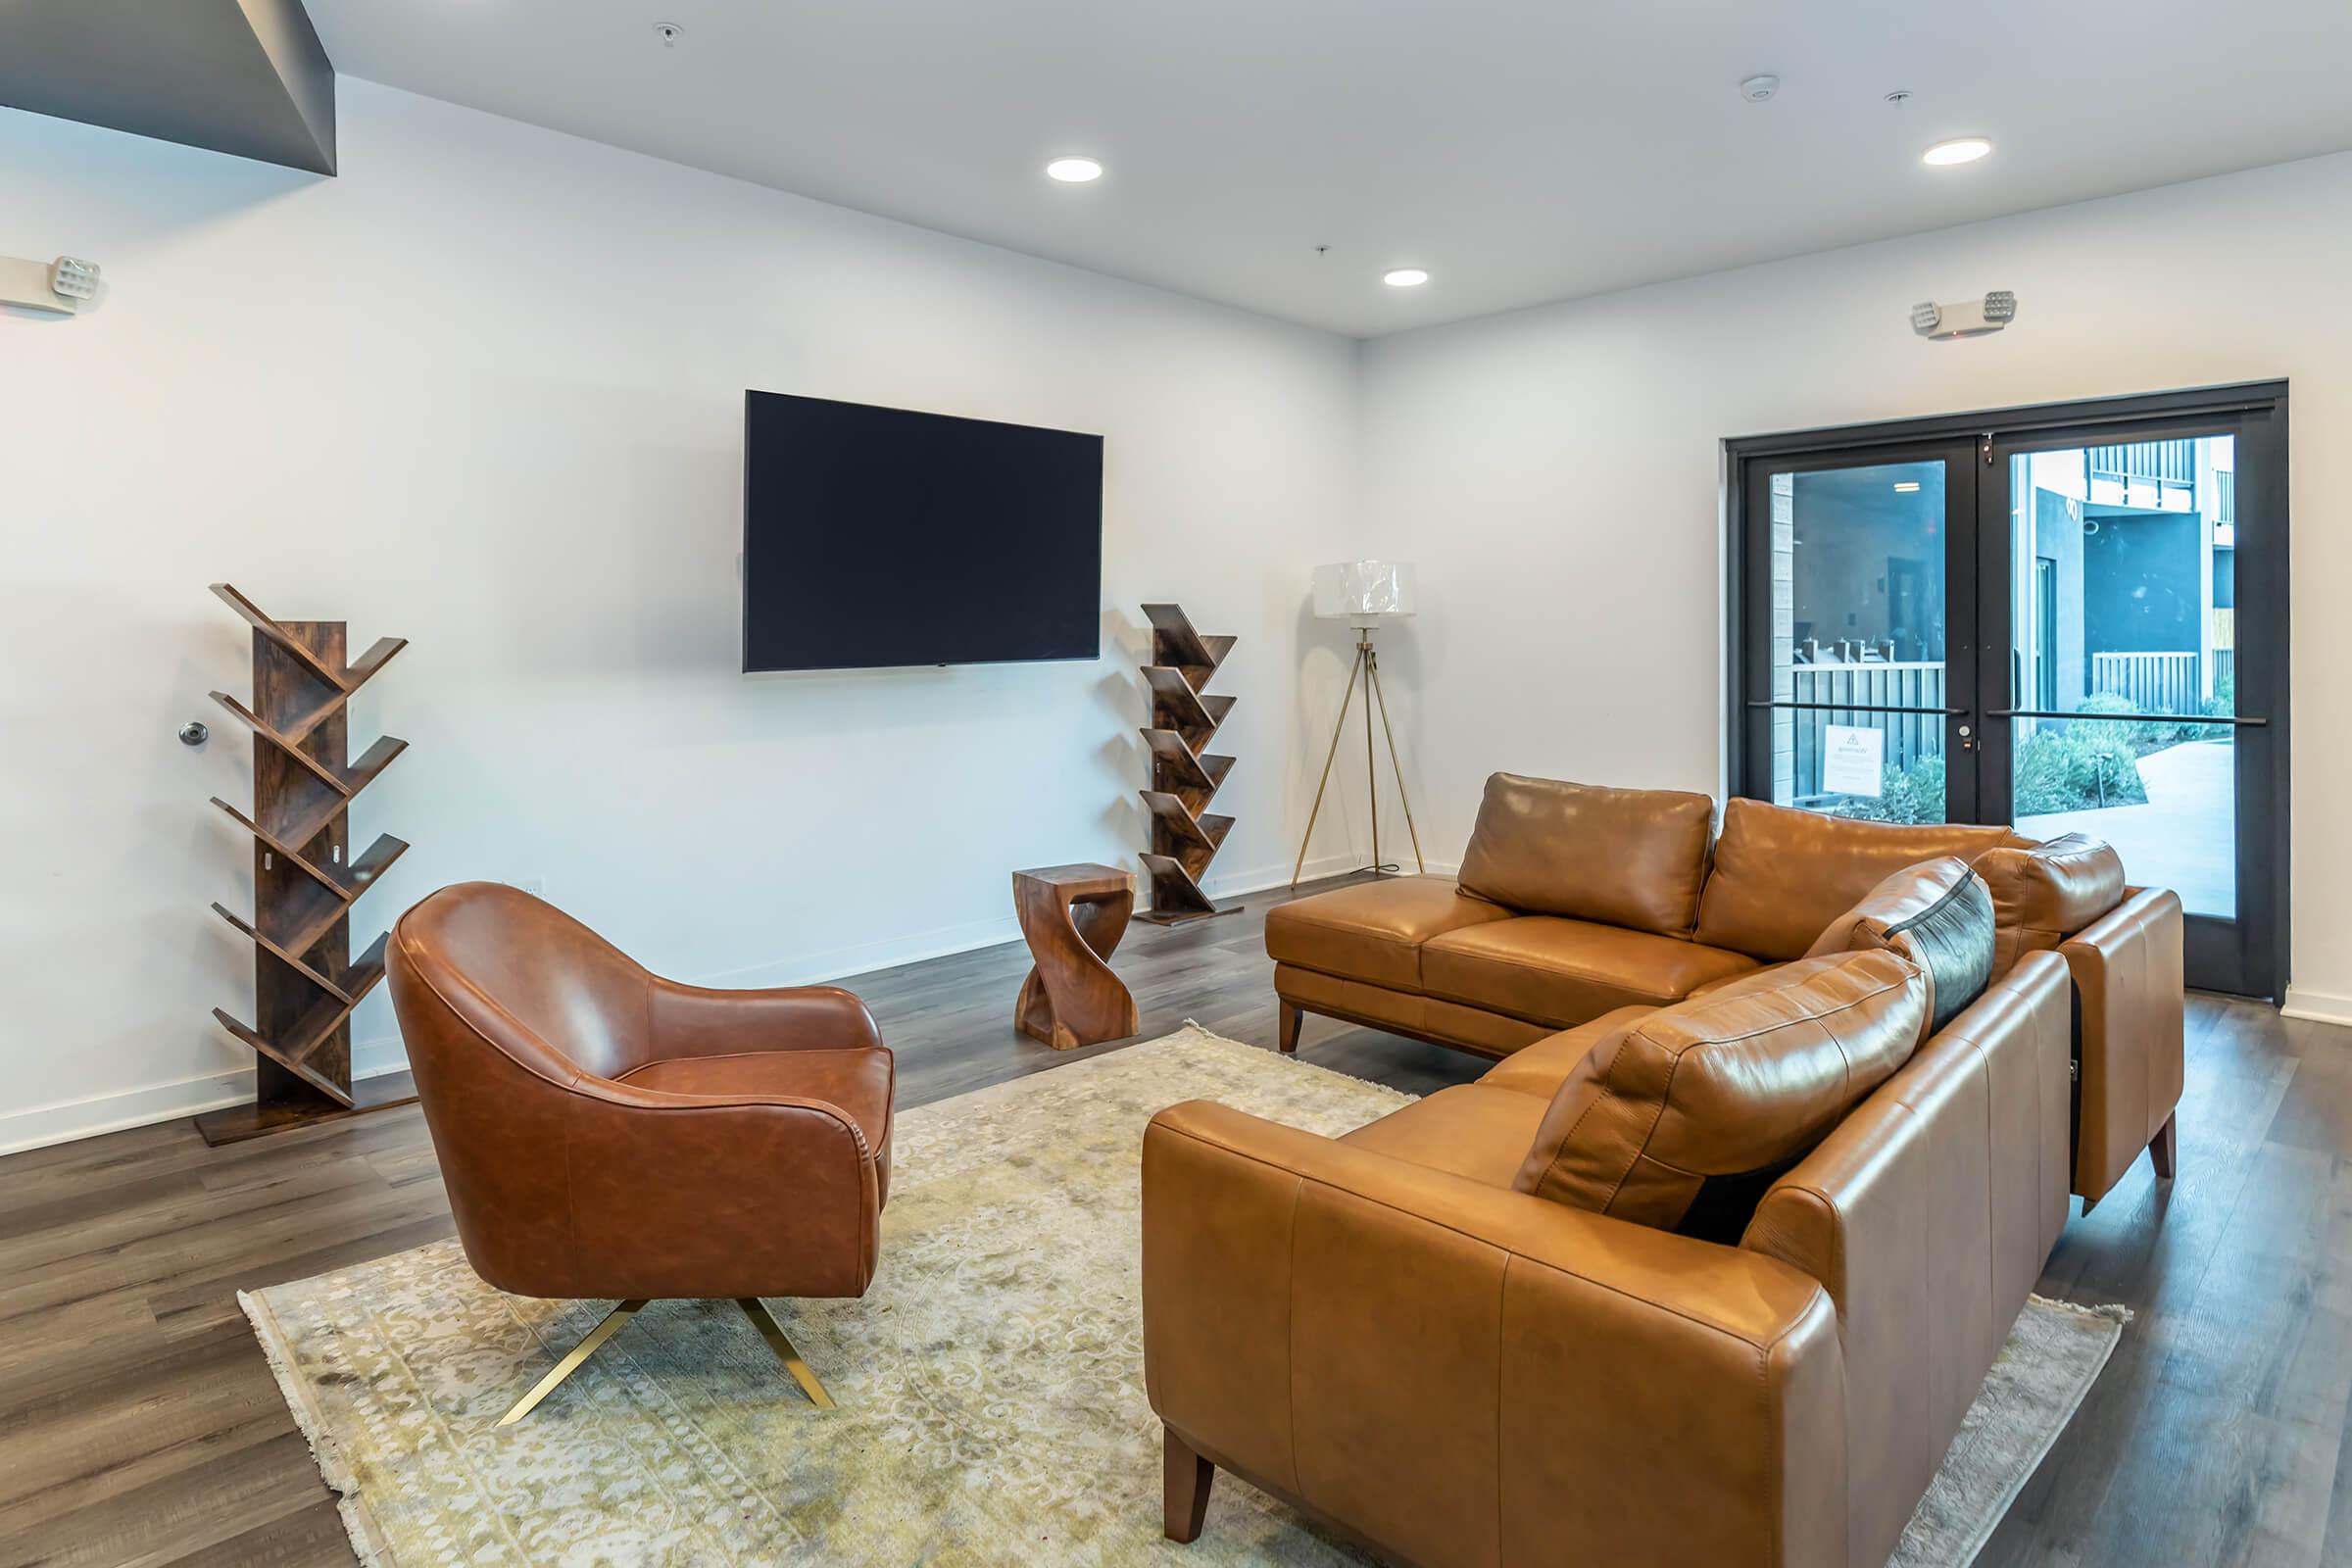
606 1133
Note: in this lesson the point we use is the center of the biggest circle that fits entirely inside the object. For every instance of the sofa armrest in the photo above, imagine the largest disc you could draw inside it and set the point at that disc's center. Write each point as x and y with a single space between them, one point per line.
1463 1373
2129 1028
703 1194
699 1021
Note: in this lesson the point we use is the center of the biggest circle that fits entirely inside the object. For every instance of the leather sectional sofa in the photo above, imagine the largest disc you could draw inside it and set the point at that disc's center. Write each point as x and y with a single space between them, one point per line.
1699 1278
1575 900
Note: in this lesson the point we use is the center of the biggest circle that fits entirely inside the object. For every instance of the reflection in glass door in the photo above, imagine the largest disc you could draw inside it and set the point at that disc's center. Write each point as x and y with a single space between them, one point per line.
2124 562
1854 617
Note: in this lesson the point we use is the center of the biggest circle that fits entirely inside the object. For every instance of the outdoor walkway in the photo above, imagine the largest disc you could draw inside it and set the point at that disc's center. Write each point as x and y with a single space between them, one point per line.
2185 837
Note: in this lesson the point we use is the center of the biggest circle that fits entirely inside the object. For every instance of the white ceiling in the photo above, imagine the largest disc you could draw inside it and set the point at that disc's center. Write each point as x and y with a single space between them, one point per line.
1520 150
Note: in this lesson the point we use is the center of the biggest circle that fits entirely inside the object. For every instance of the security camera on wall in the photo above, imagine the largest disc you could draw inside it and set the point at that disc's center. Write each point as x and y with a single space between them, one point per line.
1965 318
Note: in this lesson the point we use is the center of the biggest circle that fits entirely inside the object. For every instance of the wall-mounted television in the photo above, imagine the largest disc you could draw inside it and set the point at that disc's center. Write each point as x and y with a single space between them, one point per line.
875 537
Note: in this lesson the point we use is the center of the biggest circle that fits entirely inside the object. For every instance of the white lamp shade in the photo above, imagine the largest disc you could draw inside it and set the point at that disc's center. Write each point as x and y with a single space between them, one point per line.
1364 593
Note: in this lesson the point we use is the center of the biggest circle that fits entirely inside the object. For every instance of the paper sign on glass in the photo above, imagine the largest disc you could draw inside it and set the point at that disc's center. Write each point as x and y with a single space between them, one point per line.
1853 760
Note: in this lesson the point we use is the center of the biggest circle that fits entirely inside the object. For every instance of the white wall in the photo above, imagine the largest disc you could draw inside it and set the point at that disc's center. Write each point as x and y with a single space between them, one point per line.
484 391
1557 473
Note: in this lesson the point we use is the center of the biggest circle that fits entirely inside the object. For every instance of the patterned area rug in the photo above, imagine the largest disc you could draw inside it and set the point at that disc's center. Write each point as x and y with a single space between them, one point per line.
991 1384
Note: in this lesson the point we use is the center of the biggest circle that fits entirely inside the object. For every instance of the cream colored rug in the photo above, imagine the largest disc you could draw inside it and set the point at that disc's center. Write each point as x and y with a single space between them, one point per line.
991 1384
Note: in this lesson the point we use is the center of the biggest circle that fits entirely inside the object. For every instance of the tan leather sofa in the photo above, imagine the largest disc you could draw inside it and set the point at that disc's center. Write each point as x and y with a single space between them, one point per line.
1504 1327
1575 900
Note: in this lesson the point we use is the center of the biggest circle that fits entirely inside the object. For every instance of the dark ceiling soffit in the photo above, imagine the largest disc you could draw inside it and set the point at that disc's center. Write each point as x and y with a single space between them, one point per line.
247 77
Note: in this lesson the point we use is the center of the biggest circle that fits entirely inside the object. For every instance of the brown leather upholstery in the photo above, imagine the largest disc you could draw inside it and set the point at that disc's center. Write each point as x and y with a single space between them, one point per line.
1928 1216
1783 876
2044 892
1563 972
1627 857
1745 975
604 1132
1474 1130
1744 1080
1463 1374
1540 1068
1419 956
2127 973
1938 915
1380 1332
1477 1030
1373 932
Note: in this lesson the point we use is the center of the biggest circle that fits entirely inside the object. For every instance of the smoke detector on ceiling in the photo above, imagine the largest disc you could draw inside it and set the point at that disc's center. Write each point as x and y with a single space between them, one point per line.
1756 89
670 33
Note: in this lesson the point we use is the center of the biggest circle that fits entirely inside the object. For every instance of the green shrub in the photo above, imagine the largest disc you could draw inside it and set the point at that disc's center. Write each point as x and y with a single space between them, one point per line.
1907 795
2090 764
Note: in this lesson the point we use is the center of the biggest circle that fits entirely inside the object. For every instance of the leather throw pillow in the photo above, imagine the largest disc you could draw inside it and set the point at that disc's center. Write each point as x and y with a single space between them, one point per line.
1749 1077
1938 914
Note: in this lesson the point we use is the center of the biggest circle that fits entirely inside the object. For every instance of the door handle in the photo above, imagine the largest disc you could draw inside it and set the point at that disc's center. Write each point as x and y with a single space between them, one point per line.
2236 720
1854 708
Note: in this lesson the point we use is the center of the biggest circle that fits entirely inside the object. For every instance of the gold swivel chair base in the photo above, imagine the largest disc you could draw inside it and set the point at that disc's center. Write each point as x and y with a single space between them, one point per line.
615 1321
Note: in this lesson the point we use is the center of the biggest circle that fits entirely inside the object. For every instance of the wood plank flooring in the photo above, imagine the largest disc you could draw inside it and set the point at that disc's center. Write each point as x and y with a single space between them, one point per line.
139 1423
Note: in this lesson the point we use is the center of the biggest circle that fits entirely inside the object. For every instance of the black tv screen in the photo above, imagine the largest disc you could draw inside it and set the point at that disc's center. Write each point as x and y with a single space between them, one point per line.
875 537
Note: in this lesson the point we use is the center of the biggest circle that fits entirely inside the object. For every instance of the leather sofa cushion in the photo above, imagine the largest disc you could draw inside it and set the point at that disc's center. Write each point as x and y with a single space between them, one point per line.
1936 914
1564 972
1469 1130
2044 892
1747 1079
1715 985
1540 1068
1629 857
1373 931
1783 876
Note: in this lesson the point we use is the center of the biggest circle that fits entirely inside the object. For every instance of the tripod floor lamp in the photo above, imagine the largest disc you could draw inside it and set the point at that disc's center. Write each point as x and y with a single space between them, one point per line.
1367 595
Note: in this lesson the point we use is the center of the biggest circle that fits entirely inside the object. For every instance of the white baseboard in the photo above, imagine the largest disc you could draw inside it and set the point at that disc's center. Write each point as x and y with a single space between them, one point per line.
72 1119
2319 1006
64 1122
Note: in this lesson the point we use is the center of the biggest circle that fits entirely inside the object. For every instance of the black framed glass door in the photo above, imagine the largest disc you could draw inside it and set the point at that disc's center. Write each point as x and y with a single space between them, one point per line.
2069 619
1860 625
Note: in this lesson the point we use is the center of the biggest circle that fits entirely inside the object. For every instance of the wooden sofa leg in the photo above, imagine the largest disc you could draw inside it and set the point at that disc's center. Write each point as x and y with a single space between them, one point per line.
2165 1147
1286 1035
1188 1479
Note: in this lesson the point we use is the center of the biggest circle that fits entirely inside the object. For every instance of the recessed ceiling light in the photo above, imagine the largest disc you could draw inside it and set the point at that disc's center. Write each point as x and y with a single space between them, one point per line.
1960 150
1905 486
1074 171
1404 278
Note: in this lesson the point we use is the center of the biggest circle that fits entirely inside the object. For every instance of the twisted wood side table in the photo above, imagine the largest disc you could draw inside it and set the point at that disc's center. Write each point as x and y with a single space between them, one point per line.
1073 916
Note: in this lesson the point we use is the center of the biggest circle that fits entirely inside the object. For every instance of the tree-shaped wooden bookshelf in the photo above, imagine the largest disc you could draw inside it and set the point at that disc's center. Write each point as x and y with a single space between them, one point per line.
1184 774
305 880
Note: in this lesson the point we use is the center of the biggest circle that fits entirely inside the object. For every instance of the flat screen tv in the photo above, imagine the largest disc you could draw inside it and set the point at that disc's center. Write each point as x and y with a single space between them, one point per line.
877 537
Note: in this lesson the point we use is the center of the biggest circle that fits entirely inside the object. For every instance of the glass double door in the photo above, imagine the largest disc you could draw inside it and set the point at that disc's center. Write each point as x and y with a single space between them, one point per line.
2049 628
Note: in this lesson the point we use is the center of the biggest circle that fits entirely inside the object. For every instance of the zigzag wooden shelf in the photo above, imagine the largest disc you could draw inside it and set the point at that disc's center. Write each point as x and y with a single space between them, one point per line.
305 982
1184 775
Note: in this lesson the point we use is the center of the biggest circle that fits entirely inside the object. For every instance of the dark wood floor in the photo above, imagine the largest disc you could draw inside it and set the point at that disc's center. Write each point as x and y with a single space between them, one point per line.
139 1424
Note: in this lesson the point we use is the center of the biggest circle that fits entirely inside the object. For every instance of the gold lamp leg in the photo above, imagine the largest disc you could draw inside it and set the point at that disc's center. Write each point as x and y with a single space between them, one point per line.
615 1321
1337 725
1381 693
773 1333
